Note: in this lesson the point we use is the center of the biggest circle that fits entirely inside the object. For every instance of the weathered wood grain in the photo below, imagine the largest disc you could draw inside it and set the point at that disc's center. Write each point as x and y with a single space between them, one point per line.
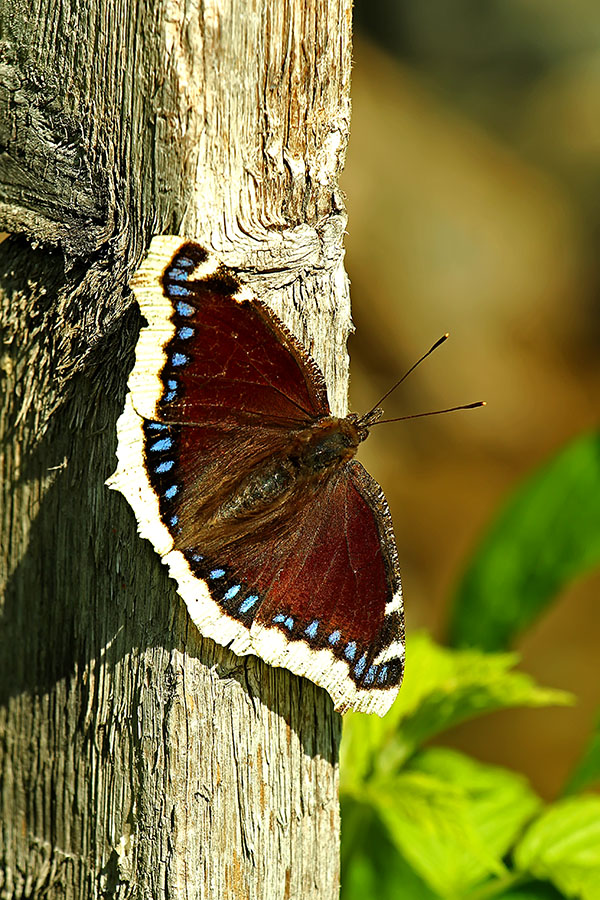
136 758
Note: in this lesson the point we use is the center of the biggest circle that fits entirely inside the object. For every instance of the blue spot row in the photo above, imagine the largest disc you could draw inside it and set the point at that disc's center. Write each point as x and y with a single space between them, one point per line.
172 384
370 676
173 521
373 672
179 359
185 333
162 444
186 262
350 651
285 620
171 491
157 426
178 275
233 590
311 630
184 309
248 603
177 290
361 665
165 466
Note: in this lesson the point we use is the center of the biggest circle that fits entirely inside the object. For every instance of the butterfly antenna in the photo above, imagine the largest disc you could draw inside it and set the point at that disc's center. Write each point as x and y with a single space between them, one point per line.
435 412
443 338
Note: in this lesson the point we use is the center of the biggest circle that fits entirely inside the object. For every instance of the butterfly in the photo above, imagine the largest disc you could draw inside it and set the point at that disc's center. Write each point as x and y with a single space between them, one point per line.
280 542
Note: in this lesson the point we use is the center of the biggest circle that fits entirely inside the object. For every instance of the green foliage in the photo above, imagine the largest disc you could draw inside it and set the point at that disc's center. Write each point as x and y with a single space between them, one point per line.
372 868
444 687
453 819
547 534
448 818
563 846
530 891
428 823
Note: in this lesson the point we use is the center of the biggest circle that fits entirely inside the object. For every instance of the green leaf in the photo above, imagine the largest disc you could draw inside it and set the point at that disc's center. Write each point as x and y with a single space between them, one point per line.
501 802
452 818
563 846
364 739
441 687
372 867
467 683
531 891
430 824
547 534
587 772
456 818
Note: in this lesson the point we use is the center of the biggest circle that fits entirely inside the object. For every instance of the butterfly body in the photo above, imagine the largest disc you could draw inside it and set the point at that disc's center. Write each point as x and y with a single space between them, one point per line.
246 484
312 456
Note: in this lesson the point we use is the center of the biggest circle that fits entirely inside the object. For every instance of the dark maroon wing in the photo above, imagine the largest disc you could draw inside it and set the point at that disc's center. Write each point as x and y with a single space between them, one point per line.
316 591
326 580
231 361
333 581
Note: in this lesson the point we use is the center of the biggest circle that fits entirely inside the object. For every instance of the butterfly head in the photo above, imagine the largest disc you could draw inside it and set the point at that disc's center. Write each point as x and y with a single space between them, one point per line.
366 421
363 423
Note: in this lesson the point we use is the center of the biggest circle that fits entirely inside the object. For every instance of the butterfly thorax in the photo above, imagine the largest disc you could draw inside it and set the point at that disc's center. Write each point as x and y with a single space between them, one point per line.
272 493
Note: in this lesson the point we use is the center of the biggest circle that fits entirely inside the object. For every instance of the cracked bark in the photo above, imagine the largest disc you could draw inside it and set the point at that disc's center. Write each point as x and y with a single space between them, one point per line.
136 758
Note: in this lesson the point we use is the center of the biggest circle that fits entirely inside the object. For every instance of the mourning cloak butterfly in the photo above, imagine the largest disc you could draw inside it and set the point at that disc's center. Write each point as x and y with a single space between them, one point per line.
280 542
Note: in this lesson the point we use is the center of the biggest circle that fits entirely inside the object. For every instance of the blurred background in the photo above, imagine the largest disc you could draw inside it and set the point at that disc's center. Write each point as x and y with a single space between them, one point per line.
472 183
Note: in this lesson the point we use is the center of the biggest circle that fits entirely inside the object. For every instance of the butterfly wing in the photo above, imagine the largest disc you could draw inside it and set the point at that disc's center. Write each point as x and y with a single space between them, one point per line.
212 354
329 600
314 588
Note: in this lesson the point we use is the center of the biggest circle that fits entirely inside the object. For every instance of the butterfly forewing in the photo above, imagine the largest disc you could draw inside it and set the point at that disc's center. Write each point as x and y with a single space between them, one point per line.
229 360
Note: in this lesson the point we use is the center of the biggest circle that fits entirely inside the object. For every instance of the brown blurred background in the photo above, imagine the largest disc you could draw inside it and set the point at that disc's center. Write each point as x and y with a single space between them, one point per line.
473 193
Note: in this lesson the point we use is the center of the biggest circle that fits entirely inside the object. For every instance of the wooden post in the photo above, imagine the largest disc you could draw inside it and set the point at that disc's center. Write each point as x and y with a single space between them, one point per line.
136 758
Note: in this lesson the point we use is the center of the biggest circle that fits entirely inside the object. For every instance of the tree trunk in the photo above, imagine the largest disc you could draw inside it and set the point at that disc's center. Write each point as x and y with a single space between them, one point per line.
136 758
